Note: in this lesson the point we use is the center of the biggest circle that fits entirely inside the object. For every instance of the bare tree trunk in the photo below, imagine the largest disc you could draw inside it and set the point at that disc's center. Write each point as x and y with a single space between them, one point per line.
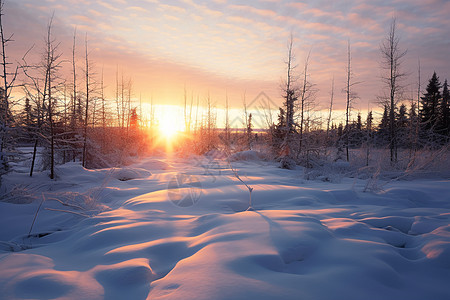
329 114
122 92
4 99
188 130
65 123
416 144
196 115
289 92
86 116
227 124
347 109
392 56
36 140
51 66
303 99
209 124
246 123
185 109
102 87
128 104
117 96
350 97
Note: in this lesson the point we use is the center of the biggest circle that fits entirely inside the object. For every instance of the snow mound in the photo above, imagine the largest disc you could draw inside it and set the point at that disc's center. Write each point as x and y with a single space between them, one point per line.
155 164
249 155
302 240
125 174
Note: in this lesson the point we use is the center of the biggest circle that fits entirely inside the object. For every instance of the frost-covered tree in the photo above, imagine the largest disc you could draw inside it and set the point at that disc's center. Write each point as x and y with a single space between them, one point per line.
444 111
6 85
429 111
350 97
44 86
392 56
249 131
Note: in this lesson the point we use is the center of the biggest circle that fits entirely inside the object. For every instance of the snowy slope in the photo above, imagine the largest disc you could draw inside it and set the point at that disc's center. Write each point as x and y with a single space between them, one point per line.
179 229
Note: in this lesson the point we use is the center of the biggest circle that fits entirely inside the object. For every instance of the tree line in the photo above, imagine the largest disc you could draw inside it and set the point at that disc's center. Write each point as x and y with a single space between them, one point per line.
299 136
71 119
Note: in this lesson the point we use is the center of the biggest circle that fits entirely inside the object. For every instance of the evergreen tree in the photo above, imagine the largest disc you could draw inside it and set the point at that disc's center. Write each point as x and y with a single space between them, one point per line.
430 104
340 130
402 118
383 127
278 130
385 119
413 124
444 119
28 113
356 130
369 135
412 112
369 121
249 131
402 126
134 119
359 123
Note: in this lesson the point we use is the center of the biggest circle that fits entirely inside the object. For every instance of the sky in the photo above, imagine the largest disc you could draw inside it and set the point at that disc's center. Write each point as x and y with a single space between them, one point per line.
238 49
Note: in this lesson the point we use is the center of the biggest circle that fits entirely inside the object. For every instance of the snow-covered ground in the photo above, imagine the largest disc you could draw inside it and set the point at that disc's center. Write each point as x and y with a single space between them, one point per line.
177 228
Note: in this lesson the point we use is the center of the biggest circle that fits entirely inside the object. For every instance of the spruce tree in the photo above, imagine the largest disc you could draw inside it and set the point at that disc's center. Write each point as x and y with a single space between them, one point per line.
430 104
369 121
383 127
402 118
444 120
402 126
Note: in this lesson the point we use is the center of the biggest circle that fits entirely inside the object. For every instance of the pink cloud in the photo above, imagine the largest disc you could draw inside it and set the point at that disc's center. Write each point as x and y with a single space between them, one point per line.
137 8
173 8
253 10
108 6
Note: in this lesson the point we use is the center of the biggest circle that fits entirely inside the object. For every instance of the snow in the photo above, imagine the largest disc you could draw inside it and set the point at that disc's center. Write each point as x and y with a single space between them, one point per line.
121 234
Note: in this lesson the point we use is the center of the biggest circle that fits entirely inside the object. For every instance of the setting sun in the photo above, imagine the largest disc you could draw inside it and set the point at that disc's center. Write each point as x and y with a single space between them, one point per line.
169 118
167 128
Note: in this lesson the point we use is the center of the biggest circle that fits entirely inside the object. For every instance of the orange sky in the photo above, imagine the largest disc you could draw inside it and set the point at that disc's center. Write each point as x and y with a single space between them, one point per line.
237 48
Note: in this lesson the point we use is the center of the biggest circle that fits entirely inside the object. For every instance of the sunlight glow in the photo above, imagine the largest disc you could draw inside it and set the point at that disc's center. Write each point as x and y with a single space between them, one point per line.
167 128
169 120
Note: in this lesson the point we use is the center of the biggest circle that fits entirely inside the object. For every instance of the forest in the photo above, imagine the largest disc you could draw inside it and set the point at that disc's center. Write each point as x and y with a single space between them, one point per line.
71 119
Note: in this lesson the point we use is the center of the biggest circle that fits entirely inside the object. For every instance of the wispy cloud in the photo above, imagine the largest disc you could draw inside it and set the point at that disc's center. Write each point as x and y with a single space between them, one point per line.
246 41
172 8
253 10
108 6
137 9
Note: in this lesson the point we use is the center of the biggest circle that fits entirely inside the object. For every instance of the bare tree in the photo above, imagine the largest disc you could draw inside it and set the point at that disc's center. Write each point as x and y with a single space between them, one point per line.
76 105
117 96
289 92
350 97
186 119
330 111
102 98
8 80
210 123
50 65
86 116
305 98
391 61
227 123
247 125
128 102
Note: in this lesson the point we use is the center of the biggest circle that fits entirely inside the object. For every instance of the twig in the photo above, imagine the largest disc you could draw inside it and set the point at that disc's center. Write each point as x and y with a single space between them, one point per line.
67 204
67 211
35 215
250 189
